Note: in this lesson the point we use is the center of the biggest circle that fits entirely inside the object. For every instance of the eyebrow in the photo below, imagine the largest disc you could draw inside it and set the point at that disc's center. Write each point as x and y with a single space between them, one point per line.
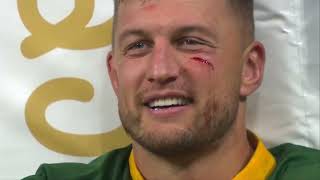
177 32
196 28
132 32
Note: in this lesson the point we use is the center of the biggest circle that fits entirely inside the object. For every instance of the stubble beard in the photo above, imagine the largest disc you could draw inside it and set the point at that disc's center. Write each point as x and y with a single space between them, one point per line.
209 127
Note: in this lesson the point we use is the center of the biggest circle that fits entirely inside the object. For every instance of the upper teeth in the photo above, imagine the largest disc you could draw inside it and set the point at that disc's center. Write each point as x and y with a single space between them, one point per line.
168 102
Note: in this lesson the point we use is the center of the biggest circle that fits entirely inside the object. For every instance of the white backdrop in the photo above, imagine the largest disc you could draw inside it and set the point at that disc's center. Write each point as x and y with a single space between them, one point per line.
57 105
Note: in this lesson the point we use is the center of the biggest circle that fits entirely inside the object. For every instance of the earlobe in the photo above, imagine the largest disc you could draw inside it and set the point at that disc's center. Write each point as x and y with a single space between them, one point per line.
112 71
253 68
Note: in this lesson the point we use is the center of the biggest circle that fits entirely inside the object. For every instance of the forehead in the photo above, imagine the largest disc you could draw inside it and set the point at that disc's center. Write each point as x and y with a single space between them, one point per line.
169 12
148 3
176 4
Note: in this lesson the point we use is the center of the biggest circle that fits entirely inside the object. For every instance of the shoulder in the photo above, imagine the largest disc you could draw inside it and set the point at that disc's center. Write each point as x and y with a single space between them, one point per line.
296 163
112 165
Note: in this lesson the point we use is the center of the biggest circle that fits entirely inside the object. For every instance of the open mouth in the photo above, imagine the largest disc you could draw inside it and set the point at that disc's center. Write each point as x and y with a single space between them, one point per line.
163 103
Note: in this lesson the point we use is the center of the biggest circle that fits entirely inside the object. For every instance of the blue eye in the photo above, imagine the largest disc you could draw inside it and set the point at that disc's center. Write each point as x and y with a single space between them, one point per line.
138 45
137 49
187 42
190 43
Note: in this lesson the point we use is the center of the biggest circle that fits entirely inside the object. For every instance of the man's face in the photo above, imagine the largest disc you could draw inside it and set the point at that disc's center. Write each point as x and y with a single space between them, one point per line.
176 69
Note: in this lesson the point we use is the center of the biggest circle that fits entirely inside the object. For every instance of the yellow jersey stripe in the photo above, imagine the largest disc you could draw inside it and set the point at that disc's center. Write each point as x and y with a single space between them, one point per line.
260 166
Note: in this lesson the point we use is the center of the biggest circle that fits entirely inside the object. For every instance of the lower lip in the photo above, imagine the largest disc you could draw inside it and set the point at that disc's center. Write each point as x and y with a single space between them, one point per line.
168 112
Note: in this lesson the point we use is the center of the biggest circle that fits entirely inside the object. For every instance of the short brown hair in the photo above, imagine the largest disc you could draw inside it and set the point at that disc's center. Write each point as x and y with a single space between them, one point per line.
242 9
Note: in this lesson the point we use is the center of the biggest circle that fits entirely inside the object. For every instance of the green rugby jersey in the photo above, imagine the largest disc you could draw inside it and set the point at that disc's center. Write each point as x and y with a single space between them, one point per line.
293 162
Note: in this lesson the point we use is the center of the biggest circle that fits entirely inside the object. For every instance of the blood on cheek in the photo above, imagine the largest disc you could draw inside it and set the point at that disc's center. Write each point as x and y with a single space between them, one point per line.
150 7
203 61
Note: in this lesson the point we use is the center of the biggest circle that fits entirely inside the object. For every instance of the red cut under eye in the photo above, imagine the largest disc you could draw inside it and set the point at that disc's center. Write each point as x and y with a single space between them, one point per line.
201 60
150 7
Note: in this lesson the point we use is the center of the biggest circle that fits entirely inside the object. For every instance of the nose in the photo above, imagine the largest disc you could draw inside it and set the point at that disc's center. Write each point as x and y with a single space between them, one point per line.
163 65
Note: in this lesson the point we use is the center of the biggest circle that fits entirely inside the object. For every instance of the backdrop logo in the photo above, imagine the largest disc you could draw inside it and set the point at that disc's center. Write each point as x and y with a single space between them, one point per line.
70 33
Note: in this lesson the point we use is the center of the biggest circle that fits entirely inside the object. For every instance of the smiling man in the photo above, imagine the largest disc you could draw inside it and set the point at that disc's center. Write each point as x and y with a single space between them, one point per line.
182 70
181 78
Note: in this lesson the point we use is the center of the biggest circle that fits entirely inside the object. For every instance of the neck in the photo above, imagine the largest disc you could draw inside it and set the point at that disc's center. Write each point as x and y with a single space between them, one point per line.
223 161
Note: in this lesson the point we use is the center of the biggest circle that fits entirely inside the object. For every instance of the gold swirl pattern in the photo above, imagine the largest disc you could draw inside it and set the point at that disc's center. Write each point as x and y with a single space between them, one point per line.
63 142
70 33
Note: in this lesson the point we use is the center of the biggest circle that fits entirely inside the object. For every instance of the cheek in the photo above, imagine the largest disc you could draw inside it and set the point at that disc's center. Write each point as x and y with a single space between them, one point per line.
210 75
199 71
199 60
130 78
200 67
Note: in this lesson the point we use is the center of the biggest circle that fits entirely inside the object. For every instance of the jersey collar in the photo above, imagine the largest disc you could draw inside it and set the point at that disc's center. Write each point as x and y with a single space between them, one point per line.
260 165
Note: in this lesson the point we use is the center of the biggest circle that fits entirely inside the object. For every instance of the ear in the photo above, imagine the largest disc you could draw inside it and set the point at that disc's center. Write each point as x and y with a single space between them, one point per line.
253 68
112 71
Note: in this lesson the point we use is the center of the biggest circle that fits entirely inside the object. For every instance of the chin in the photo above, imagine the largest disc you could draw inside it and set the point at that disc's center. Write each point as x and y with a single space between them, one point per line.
179 131
166 139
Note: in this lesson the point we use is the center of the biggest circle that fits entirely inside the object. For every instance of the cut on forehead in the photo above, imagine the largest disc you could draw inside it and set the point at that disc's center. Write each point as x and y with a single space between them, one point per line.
237 5
117 2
